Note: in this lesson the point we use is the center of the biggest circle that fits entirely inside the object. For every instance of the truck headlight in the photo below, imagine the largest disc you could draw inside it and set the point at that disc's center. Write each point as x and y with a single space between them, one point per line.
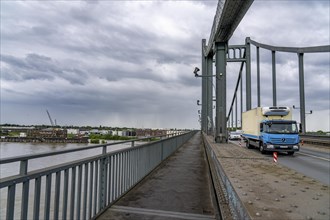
295 147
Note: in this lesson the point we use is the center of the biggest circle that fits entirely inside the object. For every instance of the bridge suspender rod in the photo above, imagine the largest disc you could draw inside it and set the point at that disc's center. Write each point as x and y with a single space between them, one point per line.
302 92
274 78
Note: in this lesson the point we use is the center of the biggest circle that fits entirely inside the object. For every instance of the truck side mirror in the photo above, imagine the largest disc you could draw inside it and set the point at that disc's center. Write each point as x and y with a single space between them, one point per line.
300 127
261 127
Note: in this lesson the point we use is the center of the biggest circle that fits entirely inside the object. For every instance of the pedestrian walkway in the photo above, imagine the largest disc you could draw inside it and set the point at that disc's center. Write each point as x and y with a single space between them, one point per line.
178 189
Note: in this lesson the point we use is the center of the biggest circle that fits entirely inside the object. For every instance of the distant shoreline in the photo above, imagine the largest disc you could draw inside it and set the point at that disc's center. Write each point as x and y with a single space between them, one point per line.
43 140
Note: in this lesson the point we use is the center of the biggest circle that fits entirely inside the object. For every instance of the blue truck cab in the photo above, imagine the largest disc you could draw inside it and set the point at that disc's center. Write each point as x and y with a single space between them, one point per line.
279 135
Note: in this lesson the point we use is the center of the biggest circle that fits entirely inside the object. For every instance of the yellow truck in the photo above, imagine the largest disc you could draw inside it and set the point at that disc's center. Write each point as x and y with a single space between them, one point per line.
270 129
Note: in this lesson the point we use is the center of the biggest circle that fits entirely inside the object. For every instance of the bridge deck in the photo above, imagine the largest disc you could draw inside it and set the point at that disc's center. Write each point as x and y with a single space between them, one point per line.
178 189
270 190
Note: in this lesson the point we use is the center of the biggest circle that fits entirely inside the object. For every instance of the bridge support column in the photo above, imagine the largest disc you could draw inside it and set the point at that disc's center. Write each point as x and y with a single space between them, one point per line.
221 119
209 96
204 91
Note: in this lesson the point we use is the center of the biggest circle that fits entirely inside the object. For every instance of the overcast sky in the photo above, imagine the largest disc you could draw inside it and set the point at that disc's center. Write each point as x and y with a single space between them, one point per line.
130 63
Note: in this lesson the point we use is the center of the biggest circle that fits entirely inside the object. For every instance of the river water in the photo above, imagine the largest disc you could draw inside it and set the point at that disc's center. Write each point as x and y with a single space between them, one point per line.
10 149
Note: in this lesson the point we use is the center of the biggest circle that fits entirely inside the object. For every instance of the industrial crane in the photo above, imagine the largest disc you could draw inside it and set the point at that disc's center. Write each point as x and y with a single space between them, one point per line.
50 118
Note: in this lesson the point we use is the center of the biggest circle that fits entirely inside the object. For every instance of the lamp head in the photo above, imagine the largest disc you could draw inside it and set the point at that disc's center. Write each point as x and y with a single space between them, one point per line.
196 71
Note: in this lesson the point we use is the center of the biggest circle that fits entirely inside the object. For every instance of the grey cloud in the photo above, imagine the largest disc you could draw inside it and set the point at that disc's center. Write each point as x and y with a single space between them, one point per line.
32 67
40 67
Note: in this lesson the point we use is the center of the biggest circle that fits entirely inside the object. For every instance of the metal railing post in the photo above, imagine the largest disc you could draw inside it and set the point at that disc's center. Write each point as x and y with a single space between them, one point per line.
102 183
25 199
11 201
47 196
36 206
57 195
23 167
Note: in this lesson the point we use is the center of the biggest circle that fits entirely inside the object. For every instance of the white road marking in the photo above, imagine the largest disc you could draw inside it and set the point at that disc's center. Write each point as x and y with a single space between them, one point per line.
309 155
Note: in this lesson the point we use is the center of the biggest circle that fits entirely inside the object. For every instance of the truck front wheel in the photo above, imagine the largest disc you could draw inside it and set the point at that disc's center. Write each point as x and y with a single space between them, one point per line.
291 153
261 148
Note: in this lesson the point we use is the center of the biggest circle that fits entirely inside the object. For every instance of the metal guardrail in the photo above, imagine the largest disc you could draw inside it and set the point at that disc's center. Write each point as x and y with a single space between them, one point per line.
316 139
82 189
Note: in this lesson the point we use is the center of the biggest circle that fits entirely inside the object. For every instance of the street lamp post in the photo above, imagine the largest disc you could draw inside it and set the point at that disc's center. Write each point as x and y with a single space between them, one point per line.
303 117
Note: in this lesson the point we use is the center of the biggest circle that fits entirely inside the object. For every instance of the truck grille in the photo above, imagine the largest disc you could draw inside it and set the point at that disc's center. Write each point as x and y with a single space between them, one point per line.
283 140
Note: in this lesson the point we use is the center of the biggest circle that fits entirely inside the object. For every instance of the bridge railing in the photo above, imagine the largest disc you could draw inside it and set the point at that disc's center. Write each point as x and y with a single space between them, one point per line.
224 191
81 189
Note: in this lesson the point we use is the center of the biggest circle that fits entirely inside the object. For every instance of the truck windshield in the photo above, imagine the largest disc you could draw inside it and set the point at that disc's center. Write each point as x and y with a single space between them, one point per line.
289 128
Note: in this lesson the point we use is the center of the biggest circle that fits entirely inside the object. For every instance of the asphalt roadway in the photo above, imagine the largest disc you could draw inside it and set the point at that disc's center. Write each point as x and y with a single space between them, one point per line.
178 189
311 160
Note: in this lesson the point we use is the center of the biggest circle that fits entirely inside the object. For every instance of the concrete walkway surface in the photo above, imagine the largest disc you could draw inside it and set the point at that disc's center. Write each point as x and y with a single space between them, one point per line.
178 189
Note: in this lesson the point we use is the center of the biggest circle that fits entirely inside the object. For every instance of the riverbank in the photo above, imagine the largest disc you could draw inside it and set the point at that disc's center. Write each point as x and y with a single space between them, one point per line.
43 140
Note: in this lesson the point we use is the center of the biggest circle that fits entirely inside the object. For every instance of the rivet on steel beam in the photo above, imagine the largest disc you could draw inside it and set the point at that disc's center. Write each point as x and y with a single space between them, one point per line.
289 210
265 209
277 199
309 218
306 187
302 190
257 198
315 198
258 214
244 194
251 190
250 202
269 191
282 196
